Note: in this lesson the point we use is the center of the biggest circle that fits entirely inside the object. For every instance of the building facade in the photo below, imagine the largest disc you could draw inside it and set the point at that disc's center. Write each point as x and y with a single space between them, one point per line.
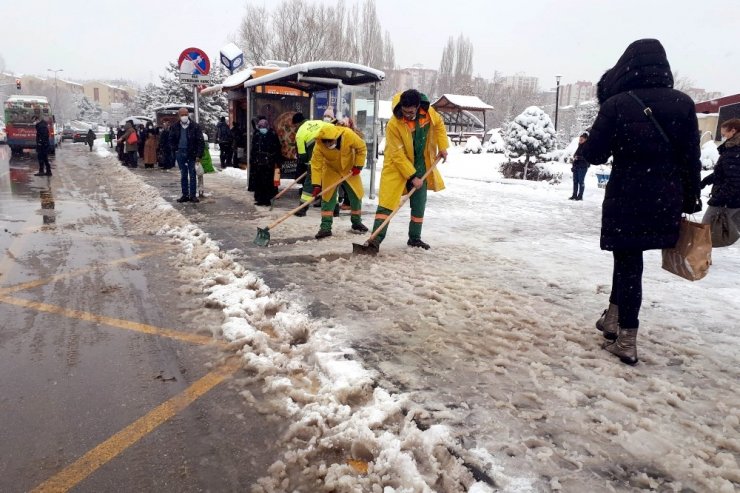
576 93
105 94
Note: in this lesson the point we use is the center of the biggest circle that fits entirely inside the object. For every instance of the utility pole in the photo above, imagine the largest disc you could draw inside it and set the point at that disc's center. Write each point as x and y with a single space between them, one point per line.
56 89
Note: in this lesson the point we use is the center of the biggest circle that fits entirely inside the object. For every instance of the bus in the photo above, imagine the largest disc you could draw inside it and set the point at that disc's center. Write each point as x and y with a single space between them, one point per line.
19 111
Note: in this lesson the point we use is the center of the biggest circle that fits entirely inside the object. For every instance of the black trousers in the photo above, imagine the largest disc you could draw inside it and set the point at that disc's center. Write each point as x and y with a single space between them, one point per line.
627 287
43 155
226 152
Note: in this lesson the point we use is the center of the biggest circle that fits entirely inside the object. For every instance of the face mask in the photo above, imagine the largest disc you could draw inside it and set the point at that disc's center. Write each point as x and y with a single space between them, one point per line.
332 146
327 119
263 131
185 120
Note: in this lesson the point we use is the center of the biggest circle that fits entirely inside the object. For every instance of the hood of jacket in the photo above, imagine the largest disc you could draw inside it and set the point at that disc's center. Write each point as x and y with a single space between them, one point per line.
643 64
329 132
730 143
396 104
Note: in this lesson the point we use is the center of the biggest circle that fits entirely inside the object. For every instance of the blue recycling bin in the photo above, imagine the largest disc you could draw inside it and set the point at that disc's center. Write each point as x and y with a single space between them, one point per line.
603 179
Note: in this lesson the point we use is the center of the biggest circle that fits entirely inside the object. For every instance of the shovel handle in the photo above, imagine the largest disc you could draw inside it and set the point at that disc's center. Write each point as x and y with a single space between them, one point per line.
404 199
306 204
289 186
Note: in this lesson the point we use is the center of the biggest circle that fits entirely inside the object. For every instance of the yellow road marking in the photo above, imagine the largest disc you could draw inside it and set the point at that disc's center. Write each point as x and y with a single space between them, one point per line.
75 473
76 272
113 322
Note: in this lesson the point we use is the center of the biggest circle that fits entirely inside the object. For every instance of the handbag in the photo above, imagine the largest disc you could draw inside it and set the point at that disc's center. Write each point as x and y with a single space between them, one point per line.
198 169
692 255
724 231
132 138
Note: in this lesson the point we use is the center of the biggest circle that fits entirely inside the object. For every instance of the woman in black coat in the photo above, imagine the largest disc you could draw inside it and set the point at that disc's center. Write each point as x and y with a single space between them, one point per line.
655 176
725 179
265 157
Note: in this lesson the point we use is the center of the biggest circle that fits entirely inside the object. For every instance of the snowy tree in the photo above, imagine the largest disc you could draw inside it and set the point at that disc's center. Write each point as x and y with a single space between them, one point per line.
530 134
586 115
88 111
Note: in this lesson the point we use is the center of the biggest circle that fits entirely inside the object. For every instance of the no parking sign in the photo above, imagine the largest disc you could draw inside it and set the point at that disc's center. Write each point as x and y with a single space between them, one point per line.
194 66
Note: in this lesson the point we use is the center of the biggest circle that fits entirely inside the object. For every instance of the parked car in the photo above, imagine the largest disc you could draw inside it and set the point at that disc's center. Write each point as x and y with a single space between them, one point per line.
68 133
79 136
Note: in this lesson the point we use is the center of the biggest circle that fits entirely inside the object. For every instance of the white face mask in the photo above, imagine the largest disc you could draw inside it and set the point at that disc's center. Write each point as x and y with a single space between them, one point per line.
327 118
332 146
185 120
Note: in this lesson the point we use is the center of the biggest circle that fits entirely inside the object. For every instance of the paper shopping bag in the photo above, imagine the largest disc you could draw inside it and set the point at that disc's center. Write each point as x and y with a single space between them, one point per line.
692 255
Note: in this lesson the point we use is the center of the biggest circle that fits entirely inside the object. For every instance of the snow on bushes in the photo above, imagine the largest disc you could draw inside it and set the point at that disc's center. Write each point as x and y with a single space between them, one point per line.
473 145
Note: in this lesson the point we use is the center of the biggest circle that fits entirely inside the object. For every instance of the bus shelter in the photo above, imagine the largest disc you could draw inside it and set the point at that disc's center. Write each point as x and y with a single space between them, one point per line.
350 89
459 114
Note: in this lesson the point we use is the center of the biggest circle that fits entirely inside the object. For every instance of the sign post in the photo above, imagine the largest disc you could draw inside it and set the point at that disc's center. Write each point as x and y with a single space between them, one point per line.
195 67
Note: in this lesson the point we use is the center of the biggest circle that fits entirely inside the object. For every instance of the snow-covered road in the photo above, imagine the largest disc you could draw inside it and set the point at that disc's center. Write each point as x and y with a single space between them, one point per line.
486 343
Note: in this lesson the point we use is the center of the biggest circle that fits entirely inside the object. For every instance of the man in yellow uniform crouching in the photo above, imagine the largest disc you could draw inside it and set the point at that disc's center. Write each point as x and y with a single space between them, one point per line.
337 152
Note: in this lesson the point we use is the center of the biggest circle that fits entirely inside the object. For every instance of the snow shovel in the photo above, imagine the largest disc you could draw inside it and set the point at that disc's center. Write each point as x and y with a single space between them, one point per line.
366 249
263 234
272 202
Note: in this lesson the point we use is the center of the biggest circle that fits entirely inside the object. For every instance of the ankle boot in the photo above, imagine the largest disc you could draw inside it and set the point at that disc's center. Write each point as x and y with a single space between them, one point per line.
608 323
625 346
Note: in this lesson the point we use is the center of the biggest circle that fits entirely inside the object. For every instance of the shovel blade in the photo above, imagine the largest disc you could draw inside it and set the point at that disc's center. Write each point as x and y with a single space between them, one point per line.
263 237
366 249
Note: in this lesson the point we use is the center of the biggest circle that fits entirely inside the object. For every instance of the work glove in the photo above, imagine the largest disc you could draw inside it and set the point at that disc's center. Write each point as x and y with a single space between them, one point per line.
316 191
356 170
706 181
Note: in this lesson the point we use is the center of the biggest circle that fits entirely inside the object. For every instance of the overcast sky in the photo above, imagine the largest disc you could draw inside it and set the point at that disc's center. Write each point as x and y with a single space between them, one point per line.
135 39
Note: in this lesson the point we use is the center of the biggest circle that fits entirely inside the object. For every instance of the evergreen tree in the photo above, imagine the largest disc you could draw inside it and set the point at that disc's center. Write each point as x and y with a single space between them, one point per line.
530 134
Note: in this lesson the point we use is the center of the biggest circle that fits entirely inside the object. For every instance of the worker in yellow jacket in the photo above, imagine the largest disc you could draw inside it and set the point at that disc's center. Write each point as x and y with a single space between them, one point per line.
415 137
337 152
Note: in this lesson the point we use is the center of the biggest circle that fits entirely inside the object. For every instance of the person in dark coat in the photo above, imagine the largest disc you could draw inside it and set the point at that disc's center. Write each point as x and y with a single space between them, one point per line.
579 169
111 137
42 145
225 142
164 152
119 145
725 179
265 157
90 138
141 135
653 180
186 140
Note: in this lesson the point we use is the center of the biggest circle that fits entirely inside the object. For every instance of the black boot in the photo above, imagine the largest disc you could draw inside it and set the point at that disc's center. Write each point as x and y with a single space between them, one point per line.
302 212
417 243
323 233
184 198
359 227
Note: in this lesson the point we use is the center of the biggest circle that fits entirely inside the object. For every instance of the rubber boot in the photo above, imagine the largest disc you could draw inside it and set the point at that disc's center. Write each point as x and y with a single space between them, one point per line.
608 324
625 346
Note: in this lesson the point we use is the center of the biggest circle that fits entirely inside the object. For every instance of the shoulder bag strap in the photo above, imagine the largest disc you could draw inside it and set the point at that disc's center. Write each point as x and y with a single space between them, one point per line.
649 113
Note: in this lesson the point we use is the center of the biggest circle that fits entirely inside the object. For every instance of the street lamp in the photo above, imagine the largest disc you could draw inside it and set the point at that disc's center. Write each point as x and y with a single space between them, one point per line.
56 90
557 99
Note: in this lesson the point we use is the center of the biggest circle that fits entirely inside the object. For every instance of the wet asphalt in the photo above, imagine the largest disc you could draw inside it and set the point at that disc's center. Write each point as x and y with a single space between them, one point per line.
68 383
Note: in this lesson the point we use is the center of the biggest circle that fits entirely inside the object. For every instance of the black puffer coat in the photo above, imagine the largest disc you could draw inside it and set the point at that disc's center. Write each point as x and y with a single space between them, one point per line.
726 176
651 182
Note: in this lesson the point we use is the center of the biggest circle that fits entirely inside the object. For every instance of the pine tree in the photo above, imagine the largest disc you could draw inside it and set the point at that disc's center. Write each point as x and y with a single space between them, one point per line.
530 134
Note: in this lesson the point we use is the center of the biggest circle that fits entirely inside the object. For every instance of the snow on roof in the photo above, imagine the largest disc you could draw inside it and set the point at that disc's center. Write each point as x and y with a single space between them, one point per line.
30 99
70 82
346 72
458 101
238 78
231 51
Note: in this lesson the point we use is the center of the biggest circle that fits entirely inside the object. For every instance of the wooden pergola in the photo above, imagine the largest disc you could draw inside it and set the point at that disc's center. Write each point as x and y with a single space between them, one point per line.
459 109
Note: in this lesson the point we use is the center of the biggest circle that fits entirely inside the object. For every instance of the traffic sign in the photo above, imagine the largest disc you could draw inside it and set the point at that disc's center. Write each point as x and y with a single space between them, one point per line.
194 79
194 61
